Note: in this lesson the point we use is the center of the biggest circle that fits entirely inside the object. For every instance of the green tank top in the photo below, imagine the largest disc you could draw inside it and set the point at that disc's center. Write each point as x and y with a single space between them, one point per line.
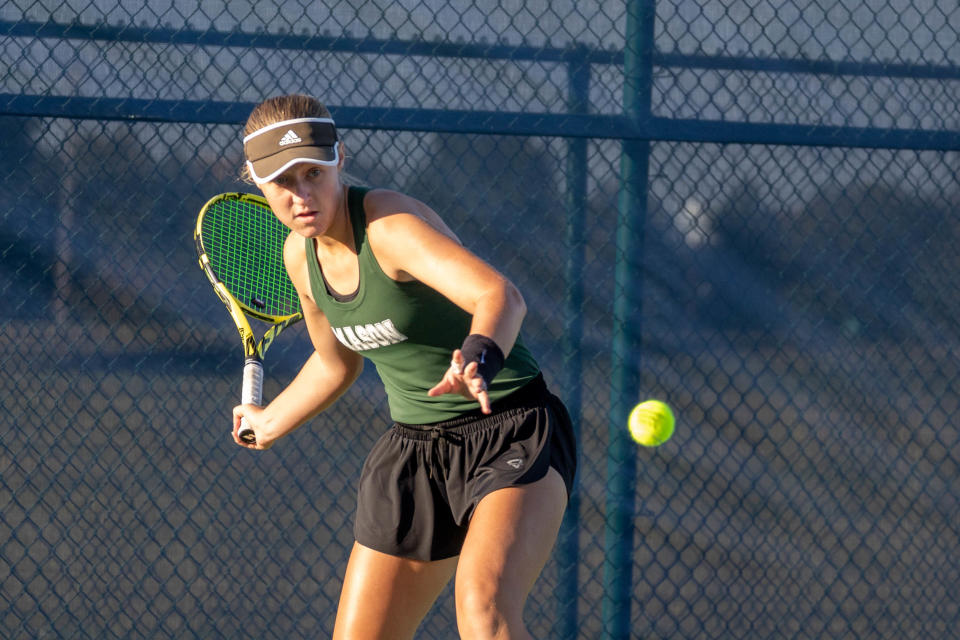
408 331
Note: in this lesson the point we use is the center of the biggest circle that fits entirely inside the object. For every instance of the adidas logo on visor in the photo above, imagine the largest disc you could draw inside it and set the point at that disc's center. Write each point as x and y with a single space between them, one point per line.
289 138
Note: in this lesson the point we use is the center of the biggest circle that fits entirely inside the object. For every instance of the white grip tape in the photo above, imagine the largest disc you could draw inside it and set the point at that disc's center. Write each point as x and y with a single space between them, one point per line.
252 392
252 383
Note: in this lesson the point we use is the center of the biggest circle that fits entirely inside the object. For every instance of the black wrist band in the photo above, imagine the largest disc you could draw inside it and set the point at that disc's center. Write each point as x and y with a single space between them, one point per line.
485 352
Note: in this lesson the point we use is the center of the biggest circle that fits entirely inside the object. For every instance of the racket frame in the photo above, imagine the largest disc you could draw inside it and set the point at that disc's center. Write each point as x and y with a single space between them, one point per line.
253 350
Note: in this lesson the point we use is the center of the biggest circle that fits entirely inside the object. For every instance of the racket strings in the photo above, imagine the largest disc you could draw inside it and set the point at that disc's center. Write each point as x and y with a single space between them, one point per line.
244 243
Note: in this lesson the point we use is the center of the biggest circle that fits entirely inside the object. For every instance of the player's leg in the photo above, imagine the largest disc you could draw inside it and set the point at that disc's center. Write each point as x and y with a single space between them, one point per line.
385 596
510 538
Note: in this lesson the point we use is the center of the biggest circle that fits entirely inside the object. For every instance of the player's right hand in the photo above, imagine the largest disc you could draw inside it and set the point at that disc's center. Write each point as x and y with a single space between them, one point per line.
252 413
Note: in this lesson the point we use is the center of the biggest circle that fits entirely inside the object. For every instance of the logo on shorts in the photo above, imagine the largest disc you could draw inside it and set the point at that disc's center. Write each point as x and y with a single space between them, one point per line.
516 463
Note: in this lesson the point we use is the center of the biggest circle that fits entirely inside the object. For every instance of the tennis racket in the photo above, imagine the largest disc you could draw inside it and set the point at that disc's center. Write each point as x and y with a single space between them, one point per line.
240 246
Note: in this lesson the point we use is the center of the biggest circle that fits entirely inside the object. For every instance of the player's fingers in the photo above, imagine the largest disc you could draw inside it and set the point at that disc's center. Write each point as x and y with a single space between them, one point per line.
447 384
472 379
456 362
476 386
470 371
451 381
237 417
484 400
239 414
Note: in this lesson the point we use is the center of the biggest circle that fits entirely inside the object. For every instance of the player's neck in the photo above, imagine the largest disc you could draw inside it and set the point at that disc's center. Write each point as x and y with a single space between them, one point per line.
339 237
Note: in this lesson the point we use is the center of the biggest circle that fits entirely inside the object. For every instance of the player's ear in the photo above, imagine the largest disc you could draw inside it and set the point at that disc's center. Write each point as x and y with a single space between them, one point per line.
343 156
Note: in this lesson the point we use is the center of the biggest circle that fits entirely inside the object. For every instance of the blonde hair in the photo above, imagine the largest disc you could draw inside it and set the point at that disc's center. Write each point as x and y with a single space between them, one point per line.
278 109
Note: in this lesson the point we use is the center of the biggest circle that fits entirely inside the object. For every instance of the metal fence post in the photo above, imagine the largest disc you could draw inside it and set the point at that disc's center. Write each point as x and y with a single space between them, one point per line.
568 551
625 357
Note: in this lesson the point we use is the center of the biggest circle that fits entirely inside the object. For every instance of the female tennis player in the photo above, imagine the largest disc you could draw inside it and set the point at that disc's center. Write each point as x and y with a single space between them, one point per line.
471 480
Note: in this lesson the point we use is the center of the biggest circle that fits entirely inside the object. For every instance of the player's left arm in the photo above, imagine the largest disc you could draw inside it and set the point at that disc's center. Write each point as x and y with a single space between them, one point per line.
410 241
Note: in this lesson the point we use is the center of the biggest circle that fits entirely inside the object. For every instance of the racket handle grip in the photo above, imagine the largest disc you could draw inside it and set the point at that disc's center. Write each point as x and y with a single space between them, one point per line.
252 394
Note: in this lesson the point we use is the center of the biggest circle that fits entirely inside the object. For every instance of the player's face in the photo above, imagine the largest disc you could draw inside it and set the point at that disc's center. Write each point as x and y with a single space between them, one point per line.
307 198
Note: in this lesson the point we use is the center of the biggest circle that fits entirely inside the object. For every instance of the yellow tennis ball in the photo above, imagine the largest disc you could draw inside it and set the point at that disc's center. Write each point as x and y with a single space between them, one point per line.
651 423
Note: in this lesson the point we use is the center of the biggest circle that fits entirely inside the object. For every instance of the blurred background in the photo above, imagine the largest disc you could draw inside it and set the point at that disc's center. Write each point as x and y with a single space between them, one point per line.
743 208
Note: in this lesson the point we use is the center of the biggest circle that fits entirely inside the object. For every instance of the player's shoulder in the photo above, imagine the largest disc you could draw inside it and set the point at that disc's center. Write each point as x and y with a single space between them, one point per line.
294 249
382 203
295 260
390 212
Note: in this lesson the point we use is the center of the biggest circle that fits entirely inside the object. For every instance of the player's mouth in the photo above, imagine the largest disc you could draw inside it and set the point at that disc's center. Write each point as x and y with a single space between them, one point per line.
305 216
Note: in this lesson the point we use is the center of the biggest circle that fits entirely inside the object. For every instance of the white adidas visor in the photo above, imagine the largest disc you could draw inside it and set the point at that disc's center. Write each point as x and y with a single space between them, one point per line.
275 148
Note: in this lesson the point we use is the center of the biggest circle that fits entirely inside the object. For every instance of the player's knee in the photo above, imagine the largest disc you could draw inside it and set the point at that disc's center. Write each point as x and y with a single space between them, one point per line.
484 614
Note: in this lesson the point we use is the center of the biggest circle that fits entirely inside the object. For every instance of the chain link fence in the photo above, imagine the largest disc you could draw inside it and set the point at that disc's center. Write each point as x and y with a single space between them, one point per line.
746 209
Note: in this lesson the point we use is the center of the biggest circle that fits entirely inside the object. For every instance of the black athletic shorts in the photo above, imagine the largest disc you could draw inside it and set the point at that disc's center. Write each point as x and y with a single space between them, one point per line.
421 483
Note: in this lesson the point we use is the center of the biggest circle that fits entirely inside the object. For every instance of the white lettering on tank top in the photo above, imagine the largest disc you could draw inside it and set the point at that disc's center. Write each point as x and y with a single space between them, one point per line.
363 337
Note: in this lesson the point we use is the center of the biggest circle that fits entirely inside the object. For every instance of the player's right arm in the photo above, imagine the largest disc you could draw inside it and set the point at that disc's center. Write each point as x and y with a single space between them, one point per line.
324 377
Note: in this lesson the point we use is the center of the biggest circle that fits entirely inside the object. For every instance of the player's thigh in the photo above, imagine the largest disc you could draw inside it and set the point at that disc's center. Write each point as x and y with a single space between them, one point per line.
385 596
509 541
